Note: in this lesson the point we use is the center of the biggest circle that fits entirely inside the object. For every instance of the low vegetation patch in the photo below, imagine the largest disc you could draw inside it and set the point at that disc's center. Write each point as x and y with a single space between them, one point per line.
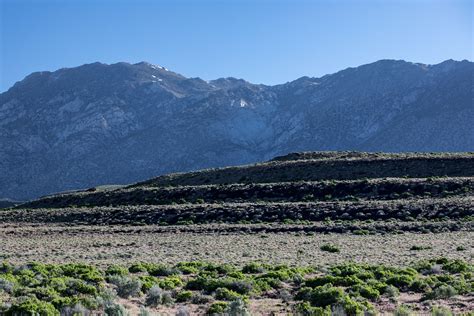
330 248
350 288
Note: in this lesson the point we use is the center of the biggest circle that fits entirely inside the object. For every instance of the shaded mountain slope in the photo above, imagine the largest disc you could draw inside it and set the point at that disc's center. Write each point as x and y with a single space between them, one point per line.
100 124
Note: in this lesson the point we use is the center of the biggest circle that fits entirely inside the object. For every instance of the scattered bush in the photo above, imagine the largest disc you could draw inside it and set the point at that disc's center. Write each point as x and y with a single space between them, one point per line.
161 270
154 296
183 311
137 267
190 267
6 285
32 306
253 268
325 295
456 266
170 282
144 312
167 298
330 248
237 308
442 292
77 289
76 310
184 296
366 291
209 285
403 310
417 248
116 270
441 311
217 308
305 309
126 286
225 294
201 299
391 291
285 296
115 309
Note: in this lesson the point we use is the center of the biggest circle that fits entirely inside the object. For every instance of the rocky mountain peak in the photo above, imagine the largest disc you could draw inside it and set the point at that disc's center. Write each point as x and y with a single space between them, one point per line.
100 124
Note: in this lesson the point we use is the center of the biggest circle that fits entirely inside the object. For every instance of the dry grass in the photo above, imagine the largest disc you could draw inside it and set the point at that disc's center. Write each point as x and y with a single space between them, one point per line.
103 245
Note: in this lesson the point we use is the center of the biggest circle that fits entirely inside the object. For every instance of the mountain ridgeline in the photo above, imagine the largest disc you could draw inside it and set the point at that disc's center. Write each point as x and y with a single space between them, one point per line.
112 124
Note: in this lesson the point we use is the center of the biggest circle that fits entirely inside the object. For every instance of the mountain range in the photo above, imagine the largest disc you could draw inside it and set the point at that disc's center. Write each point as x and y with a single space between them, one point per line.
110 124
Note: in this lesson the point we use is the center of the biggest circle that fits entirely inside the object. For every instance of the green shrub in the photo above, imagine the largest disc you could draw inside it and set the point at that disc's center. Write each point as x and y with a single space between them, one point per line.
400 280
107 295
330 248
361 232
210 284
219 268
366 291
441 311
304 294
217 308
116 270
184 296
352 307
190 267
61 301
236 275
334 280
253 268
391 291
351 269
417 248
148 281
170 282
6 268
45 293
161 270
92 303
266 284
456 266
59 284
226 294
188 270
83 272
137 267
282 275
305 309
75 286
325 295
441 292
32 306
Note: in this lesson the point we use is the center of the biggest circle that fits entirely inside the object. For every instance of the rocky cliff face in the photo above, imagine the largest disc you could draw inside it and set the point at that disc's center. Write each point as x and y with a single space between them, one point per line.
98 124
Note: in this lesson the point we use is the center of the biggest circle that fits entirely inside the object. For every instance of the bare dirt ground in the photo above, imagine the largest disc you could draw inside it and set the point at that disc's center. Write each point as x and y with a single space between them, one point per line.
103 245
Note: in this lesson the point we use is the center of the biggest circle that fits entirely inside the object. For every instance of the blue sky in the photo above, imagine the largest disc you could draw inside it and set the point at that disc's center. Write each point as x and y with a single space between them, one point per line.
261 41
